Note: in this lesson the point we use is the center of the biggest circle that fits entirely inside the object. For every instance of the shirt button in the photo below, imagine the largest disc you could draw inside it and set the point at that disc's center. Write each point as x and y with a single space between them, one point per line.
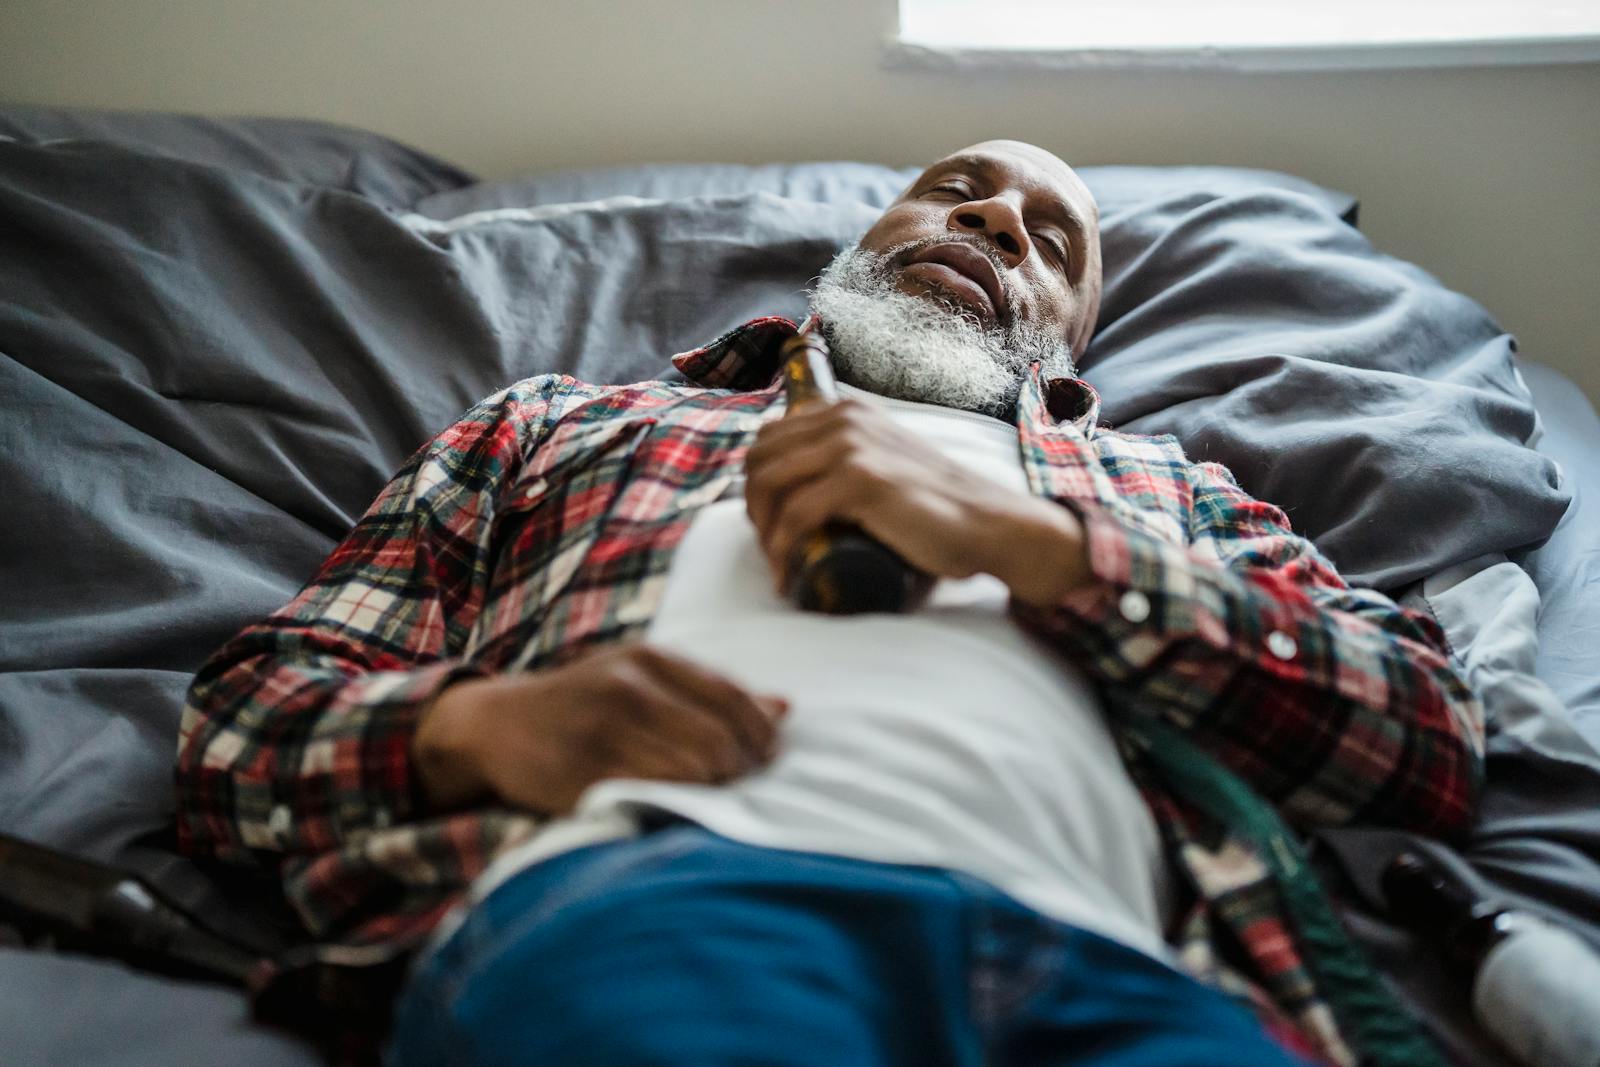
1134 605
1281 645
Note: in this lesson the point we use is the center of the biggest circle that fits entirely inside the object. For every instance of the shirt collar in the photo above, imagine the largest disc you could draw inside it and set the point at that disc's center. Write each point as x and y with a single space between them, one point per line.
746 359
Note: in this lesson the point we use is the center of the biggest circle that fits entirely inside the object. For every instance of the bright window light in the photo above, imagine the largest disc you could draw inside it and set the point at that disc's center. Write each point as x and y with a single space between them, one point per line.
1153 27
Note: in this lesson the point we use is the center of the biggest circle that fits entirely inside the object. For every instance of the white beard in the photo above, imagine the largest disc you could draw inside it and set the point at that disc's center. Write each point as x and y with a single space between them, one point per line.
925 349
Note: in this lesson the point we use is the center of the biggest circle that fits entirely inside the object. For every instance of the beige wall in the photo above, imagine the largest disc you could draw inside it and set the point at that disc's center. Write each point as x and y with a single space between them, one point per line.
1487 177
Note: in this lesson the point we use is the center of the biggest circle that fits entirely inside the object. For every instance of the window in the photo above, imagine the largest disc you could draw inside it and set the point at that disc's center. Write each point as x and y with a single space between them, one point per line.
1246 34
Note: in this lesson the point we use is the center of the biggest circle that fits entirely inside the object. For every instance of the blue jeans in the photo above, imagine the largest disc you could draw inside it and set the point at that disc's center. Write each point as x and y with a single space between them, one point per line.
683 947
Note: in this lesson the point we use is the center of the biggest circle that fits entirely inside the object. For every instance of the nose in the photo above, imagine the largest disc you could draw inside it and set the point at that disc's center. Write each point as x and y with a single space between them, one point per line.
997 219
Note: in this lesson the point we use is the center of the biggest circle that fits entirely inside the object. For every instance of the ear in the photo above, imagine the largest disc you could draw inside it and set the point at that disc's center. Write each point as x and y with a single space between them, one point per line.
1086 325
1090 316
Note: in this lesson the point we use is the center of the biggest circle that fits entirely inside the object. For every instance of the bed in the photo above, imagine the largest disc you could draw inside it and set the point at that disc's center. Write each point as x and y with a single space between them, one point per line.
219 337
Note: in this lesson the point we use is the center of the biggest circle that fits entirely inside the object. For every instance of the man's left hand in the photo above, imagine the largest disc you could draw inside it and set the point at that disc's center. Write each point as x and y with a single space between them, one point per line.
850 461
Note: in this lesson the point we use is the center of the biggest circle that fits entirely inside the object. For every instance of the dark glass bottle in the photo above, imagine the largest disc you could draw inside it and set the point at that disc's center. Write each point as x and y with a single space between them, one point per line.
61 900
1535 986
840 569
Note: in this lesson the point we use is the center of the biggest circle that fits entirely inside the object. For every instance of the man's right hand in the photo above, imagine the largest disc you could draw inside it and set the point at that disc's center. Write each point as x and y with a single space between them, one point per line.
535 741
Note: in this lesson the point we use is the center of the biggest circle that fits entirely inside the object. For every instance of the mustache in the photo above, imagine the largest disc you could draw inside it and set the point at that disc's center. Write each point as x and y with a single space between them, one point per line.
900 255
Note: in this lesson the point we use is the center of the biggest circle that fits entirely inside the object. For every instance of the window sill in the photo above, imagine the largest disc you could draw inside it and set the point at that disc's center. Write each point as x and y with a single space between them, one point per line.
903 54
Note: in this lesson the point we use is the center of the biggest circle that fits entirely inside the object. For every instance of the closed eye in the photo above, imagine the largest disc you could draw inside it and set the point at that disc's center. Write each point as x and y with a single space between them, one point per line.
1058 250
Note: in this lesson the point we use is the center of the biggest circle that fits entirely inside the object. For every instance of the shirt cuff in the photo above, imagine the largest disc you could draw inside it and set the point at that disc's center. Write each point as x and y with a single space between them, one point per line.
1130 571
363 746
1145 592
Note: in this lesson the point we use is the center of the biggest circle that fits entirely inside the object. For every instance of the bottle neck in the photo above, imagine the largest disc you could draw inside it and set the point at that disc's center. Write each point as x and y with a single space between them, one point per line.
1437 904
1486 930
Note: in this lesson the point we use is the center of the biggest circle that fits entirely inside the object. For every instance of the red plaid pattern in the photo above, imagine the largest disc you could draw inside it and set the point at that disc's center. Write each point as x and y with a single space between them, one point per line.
544 522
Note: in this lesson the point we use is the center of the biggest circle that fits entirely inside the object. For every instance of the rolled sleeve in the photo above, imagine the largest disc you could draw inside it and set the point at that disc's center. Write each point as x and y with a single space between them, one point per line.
1337 704
296 735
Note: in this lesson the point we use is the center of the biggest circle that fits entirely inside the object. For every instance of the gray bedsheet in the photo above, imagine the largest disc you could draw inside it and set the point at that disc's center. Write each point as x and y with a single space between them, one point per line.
1567 567
207 371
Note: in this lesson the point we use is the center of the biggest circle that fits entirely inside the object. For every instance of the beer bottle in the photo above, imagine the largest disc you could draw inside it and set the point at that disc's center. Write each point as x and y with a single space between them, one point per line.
840 569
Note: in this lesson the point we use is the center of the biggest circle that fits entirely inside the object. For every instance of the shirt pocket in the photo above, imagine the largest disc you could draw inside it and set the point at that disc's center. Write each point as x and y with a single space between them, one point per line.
572 448
679 469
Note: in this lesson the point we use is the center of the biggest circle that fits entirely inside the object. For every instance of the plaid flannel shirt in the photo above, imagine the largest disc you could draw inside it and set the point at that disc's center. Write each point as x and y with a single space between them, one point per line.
544 522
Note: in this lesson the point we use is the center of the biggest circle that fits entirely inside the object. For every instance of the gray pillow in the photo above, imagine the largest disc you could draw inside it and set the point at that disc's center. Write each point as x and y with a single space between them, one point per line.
317 153
1379 409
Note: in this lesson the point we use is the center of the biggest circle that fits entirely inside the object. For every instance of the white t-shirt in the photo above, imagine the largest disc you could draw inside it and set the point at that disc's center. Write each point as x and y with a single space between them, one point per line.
949 737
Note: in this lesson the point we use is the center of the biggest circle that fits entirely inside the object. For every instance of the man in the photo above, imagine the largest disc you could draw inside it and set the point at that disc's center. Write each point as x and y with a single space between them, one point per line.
546 714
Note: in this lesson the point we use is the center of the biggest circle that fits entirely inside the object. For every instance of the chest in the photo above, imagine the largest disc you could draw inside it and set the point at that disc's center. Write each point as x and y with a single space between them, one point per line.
584 535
